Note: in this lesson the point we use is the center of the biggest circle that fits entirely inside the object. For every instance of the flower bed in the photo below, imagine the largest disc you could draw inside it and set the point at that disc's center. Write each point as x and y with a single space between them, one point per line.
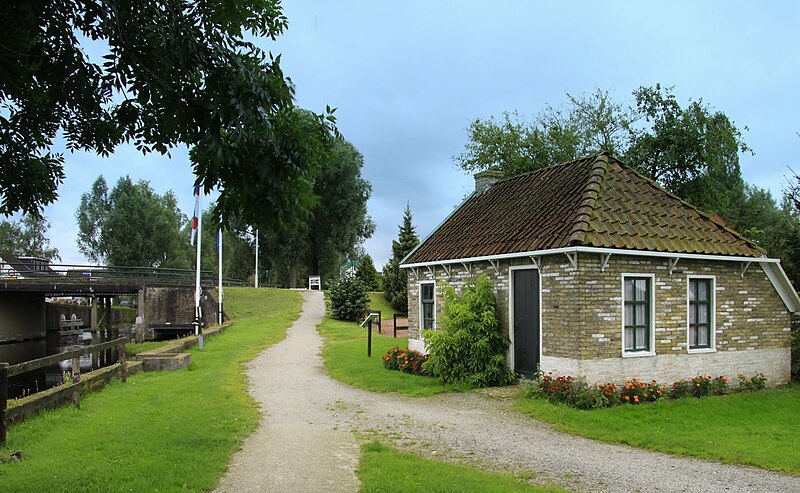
580 395
406 361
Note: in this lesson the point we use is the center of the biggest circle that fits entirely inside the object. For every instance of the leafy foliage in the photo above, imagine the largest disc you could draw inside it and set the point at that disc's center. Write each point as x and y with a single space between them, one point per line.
26 237
131 225
333 227
469 348
367 274
348 298
183 75
691 151
395 279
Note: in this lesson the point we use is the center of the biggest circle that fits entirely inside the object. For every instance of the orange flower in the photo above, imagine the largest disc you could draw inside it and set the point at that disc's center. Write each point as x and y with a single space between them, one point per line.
636 398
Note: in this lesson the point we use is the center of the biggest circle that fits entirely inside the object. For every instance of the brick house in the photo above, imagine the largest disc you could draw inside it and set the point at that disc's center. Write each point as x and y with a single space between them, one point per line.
600 273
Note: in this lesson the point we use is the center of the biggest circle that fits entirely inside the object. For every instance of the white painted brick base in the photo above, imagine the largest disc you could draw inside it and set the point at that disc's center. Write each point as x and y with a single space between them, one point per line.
673 367
417 345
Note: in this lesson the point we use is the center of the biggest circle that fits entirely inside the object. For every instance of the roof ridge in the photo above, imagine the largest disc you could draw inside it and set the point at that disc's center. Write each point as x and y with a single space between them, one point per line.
694 208
553 166
591 193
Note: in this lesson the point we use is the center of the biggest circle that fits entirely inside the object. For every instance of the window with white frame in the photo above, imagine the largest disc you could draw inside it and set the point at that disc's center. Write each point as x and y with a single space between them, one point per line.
701 313
427 301
637 314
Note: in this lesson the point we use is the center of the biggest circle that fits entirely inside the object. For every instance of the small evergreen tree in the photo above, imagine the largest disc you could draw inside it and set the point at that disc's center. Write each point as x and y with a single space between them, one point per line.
349 298
470 348
367 274
395 279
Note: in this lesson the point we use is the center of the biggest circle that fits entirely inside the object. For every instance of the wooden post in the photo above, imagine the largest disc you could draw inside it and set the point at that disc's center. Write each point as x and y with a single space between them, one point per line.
123 362
76 380
93 329
395 325
369 338
3 401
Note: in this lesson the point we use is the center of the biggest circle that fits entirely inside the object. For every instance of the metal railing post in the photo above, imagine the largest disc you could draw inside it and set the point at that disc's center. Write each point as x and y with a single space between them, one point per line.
369 338
3 401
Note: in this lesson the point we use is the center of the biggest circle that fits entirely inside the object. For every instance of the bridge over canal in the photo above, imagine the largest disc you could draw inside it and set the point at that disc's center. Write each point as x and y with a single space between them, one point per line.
164 296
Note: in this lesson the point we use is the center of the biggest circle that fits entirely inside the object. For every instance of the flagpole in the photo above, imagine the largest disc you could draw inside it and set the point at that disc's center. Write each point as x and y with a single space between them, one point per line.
256 258
219 268
197 313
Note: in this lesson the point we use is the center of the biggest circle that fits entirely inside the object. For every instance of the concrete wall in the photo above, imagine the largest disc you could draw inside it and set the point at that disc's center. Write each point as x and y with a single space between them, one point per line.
582 317
83 312
22 316
176 306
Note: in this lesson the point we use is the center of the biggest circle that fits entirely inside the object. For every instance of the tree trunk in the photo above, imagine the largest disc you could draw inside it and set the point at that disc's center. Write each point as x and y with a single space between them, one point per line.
293 274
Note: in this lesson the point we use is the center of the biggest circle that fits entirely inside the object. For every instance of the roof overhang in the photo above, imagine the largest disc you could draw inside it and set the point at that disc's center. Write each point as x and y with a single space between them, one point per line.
771 266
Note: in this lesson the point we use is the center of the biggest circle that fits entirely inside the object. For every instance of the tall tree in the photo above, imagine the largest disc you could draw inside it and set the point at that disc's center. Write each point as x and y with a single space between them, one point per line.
131 226
692 151
27 237
395 279
181 73
334 226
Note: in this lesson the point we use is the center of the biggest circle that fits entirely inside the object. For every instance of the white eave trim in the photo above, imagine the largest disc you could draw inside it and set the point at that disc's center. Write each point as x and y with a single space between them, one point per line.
600 251
771 266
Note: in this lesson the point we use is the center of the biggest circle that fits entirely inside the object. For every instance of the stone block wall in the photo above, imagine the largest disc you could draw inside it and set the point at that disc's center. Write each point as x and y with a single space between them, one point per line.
582 315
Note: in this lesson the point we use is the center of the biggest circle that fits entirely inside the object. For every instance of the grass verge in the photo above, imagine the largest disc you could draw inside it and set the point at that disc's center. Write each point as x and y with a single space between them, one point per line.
377 301
345 358
759 428
383 469
159 431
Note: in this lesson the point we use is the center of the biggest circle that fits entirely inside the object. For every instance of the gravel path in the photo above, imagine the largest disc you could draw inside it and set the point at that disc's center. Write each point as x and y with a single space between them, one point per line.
306 441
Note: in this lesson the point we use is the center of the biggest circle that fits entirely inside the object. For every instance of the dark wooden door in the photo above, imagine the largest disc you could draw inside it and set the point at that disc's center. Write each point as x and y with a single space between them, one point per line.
526 321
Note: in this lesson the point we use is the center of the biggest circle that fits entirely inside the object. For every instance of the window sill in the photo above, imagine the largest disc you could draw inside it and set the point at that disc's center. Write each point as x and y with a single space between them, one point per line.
702 350
638 354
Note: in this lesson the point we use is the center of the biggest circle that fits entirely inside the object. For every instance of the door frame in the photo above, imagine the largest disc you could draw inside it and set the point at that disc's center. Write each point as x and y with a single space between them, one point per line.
510 352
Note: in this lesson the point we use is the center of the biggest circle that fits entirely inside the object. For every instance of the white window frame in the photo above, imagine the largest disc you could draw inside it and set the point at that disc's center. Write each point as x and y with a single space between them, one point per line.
712 318
421 315
652 318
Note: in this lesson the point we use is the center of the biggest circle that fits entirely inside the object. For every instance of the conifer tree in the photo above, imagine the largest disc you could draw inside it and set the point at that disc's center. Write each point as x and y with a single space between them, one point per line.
366 273
395 279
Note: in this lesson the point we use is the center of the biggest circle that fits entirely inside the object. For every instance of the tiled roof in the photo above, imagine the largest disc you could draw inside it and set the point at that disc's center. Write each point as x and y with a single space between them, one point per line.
594 201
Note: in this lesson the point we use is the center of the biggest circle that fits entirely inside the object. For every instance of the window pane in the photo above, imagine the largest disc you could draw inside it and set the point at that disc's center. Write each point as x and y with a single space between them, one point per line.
641 338
641 314
702 337
692 336
692 314
702 290
427 291
641 289
702 314
628 290
629 314
692 290
628 339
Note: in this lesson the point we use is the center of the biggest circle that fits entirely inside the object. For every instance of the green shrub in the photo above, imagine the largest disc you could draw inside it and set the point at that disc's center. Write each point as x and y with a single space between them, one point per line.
719 386
470 348
349 298
406 361
573 392
680 389
635 391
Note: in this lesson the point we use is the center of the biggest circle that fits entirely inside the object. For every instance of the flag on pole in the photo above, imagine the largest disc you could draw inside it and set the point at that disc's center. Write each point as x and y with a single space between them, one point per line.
196 213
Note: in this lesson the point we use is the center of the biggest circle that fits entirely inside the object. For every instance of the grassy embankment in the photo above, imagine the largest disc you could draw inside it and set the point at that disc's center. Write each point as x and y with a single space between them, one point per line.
159 431
758 428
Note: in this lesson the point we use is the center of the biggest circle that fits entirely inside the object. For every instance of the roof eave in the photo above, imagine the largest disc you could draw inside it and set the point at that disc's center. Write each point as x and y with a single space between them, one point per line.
438 226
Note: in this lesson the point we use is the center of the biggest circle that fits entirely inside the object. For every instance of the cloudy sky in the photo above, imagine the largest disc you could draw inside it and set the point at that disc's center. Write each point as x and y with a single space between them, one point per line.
408 77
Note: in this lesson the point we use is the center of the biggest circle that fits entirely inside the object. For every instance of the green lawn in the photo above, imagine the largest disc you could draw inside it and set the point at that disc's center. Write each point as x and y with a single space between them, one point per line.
759 428
345 357
159 431
377 301
383 469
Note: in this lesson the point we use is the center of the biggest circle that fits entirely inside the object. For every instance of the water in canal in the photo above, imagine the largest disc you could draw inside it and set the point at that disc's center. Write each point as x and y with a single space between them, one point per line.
45 378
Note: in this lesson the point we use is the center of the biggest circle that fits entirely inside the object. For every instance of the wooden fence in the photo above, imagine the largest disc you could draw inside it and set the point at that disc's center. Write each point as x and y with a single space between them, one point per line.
7 371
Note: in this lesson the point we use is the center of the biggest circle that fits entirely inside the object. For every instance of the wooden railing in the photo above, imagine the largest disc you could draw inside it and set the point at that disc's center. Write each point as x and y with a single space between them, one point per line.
7 371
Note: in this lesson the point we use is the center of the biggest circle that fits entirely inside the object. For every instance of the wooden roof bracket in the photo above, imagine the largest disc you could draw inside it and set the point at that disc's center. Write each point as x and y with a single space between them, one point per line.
673 262
496 265
573 259
467 267
432 272
447 269
537 261
604 258
745 265
414 270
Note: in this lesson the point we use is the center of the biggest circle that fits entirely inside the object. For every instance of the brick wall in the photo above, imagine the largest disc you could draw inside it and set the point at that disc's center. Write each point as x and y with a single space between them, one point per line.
582 314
